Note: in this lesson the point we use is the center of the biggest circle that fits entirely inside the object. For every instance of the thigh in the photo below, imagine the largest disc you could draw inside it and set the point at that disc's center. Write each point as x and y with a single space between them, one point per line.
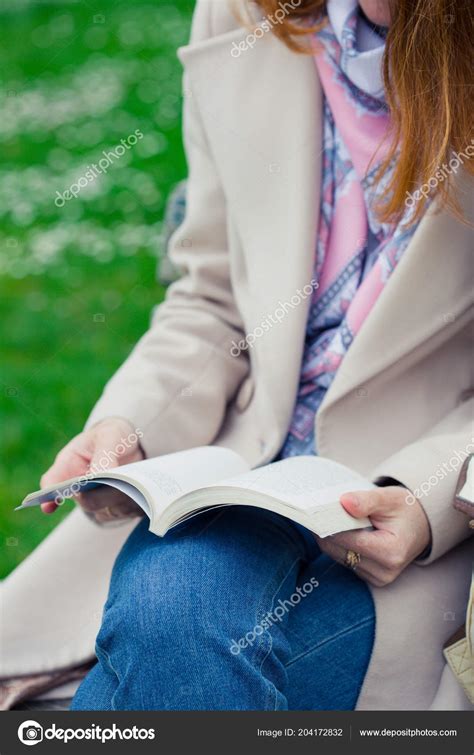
226 561
331 637
186 620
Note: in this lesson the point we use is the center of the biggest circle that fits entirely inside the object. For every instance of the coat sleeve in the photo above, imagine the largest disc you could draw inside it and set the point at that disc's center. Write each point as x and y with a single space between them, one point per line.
179 378
430 468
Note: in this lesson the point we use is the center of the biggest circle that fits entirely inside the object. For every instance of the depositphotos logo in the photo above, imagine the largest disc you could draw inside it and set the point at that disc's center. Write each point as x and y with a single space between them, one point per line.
31 732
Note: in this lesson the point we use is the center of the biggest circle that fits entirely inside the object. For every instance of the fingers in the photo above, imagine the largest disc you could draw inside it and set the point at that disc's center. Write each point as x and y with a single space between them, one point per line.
371 578
367 569
104 446
113 514
107 504
380 502
71 461
49 507
400 533
110 450
101 498
374 544
338 553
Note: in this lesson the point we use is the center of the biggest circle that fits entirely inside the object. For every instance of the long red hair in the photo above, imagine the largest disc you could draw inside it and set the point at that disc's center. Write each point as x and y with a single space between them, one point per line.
427 71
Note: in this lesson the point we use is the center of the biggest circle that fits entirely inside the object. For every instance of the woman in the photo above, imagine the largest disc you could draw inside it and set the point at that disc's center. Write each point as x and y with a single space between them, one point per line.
303 167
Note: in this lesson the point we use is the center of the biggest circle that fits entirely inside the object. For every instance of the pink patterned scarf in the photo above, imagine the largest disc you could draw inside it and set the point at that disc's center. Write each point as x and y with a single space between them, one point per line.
355 253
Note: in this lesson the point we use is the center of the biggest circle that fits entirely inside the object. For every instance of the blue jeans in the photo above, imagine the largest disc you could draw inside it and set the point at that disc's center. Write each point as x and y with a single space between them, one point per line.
235 609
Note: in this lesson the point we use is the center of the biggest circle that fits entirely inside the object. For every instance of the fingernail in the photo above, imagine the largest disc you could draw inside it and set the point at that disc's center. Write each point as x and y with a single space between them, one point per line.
351 498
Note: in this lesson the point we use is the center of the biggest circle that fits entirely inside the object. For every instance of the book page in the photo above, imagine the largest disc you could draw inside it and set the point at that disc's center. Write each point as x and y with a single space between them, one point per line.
303 482
166 478
161 479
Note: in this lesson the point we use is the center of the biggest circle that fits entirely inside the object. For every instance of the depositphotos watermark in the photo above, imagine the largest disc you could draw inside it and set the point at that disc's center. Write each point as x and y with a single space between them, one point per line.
445 170
271 617
273 319
32 733
94 170
107 460
263 27
442 471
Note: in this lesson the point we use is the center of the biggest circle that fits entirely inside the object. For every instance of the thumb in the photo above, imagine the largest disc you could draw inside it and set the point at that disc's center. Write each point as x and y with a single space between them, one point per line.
110 449
367 503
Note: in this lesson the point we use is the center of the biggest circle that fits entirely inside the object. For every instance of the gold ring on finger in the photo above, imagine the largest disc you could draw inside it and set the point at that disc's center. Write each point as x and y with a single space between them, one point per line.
352 560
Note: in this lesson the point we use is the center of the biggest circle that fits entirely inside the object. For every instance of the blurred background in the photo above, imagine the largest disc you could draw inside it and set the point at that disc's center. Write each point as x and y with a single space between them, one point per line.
78 282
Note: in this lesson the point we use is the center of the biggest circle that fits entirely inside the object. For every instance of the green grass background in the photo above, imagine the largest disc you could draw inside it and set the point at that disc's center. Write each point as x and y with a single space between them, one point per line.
77 283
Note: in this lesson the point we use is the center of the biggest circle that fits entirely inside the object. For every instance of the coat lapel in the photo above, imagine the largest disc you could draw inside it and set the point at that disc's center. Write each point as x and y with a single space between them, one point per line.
430 289
262 117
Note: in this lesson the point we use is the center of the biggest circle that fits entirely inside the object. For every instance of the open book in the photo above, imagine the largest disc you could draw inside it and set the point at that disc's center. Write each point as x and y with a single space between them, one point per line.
174 487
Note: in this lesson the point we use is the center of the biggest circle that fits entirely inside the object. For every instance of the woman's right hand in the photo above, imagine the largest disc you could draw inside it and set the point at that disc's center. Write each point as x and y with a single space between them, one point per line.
108 444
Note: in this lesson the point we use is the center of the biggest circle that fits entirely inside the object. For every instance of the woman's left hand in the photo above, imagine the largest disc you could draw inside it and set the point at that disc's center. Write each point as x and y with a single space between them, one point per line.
401 533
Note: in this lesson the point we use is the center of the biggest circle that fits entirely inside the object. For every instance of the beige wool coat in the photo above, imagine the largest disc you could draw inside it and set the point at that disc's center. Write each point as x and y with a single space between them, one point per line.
399 405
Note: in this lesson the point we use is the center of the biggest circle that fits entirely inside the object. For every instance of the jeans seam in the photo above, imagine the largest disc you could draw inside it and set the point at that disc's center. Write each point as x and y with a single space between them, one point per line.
107 657
345 631
266 637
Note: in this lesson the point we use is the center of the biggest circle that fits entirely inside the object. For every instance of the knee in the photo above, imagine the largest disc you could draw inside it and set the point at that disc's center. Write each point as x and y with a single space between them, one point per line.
197 582
162 590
